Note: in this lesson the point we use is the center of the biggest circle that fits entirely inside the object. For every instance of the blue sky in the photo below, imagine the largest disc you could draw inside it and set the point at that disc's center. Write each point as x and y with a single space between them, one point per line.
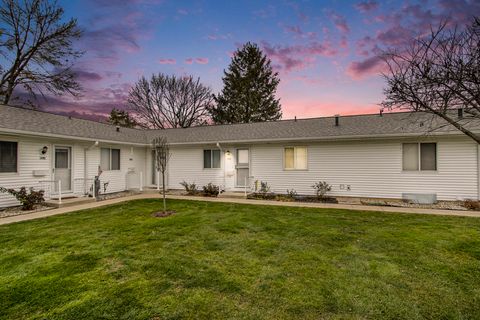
325 51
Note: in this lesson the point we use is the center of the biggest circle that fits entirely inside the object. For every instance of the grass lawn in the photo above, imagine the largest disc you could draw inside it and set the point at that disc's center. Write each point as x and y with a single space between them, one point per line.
217 261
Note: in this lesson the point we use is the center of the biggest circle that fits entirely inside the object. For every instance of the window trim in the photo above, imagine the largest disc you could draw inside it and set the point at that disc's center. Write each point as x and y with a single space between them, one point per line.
419 160
294 161
16 172
211 159
110 159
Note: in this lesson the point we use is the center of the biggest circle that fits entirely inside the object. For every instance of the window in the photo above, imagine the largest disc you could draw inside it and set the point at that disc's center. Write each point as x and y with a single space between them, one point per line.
295 158
419 156
211 159
8 156
109 159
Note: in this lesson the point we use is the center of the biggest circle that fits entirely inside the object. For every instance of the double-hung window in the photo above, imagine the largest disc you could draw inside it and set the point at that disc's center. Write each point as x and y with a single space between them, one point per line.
8 156
419 156
211 159
295 158
109 159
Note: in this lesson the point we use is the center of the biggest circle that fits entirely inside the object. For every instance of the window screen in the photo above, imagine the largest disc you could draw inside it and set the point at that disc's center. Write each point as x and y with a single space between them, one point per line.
428 156
105 158
8 156
295 158
410 156
61 159
207 159
289 158
211 159
215 158
115 159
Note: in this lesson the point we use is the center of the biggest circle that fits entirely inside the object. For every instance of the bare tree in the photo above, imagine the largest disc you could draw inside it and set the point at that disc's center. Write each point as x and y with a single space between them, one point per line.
437 74
170 102
37 50
162 155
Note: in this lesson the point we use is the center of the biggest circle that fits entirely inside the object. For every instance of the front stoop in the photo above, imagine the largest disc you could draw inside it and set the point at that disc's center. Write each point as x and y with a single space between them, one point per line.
68 202
232 195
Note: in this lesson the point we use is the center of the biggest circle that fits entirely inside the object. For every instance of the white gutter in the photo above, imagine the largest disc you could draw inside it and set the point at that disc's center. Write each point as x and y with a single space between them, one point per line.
329 138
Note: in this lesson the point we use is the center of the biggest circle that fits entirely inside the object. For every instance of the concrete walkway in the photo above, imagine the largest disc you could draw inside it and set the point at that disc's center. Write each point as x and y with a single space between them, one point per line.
53 212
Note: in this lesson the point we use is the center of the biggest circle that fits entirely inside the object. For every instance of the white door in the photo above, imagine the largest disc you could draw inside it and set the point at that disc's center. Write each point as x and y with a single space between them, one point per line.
243 167
63 168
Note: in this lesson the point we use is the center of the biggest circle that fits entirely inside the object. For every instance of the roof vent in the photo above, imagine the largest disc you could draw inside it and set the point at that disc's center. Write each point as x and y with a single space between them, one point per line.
460 113
70 117
337 120
295 119
118 129
381 112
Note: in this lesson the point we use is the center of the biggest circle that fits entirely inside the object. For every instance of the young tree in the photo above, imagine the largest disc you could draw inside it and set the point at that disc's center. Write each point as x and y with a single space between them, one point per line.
437 74
162 155
36 45
170 102
121 118
249 89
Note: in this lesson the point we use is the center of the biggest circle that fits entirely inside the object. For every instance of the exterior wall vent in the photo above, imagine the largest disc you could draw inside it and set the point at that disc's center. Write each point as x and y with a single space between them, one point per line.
118 129
337 120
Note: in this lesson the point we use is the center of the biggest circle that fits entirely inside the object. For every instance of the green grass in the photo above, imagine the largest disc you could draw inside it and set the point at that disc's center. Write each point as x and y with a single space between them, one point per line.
217 261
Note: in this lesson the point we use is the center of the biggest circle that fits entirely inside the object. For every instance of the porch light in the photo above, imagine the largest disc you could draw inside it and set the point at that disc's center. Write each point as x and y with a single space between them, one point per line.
228 152
44 149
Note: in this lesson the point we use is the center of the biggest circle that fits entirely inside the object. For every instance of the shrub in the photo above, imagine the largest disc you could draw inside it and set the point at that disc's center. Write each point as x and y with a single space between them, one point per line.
264 188
292 193
28 199
211 190
321 188
190 188
472 204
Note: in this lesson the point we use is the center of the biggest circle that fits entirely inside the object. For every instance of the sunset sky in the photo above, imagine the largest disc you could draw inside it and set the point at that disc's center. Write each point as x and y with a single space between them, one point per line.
324 51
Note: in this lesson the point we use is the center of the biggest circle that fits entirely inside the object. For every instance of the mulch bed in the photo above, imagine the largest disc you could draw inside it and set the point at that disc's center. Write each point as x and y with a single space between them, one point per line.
163 214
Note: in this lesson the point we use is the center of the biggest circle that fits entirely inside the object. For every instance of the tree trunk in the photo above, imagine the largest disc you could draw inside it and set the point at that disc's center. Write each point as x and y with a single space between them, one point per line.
163 188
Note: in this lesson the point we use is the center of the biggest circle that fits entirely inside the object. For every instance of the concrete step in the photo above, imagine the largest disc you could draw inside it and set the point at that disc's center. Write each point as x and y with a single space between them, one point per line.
232 194
68 202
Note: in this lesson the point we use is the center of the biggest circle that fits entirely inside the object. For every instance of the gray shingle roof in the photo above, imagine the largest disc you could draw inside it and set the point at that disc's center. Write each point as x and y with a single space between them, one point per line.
48 123
390 124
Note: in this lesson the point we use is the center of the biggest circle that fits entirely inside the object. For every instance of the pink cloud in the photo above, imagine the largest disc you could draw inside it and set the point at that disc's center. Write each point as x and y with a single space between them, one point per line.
297 57
368 67
188 61
299 33
366 6
340 22
201 60
167 61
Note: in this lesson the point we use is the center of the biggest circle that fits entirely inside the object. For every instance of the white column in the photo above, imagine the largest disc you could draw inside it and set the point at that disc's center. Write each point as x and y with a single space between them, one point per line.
158 180
141 181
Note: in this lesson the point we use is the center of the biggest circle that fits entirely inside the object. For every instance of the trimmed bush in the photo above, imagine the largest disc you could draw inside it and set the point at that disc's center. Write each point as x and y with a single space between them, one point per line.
211 190
28 199
190 188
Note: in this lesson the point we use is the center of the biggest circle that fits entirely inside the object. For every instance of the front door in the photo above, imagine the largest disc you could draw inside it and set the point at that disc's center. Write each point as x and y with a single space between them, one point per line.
243 167
63 168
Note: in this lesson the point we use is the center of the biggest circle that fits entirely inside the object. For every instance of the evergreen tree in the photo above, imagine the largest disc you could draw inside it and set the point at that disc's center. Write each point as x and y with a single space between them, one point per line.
249 89
121 118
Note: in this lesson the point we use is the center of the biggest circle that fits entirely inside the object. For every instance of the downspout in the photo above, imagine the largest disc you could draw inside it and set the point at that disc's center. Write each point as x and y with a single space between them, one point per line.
478 172
224 166
85 167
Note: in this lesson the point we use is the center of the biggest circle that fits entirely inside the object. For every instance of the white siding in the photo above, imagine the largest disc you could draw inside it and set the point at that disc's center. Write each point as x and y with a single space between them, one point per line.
372 169
29 159
186 164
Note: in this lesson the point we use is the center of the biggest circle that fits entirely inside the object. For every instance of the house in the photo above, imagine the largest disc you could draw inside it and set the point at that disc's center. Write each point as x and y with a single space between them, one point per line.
378 155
